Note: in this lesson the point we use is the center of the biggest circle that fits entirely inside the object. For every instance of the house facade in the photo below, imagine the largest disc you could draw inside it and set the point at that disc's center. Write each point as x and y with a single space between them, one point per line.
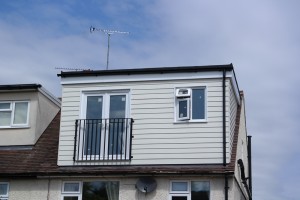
175 133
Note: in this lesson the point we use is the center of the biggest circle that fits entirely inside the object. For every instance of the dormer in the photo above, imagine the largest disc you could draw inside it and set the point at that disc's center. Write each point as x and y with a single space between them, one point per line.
25 112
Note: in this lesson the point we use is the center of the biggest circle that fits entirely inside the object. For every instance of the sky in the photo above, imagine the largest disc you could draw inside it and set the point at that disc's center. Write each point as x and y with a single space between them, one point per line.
260 37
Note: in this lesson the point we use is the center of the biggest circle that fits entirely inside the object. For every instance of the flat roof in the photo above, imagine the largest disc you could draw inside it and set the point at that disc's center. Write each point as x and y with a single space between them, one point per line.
158 70
20 86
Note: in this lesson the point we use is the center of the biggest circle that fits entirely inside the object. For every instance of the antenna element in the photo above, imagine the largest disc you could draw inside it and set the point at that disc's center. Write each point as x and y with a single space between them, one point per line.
108 33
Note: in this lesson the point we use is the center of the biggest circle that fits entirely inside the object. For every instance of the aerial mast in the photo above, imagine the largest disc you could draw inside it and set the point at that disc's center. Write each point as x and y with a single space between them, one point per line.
108 33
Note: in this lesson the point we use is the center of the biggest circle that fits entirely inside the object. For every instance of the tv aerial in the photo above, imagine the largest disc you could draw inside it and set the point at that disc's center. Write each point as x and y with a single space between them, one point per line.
146 184
108 33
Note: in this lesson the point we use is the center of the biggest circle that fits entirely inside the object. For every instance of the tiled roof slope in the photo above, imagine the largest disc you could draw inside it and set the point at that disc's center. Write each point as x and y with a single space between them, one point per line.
42 160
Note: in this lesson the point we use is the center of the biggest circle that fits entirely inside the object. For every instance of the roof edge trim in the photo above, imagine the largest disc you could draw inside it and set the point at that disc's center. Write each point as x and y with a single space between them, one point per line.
158 70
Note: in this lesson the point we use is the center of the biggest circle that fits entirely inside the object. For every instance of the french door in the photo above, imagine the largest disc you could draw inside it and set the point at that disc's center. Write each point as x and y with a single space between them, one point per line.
106 125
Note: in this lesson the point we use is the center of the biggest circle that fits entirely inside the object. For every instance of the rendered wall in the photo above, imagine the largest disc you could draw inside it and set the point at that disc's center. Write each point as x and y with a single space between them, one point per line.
41 112
22 135
37 189
242 151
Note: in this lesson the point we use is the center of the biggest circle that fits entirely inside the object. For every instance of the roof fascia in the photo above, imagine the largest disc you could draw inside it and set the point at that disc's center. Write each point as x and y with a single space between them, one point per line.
19 87
50 96
158 70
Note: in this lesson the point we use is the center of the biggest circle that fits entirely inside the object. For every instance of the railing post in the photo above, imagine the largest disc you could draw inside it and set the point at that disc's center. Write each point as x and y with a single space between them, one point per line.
75 139
130 140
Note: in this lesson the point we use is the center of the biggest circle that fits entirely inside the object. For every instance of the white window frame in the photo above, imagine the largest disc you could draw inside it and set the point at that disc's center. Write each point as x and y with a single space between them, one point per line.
71 193
5 197
11 109
80 192
180 193
189 97
105 94
187 111
187 193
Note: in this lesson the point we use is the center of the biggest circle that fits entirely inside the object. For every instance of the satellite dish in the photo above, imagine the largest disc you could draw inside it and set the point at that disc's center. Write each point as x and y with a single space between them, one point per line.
146 184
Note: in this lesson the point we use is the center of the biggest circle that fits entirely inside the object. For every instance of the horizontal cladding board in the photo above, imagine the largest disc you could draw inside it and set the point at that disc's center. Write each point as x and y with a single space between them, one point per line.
155 131
177 161
176 141
170 115
182 135
144 85
178 156
167 95
192 127
69 108
176 151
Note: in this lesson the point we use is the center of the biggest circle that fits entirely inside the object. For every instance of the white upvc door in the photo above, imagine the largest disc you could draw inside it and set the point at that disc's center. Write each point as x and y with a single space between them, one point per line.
105 115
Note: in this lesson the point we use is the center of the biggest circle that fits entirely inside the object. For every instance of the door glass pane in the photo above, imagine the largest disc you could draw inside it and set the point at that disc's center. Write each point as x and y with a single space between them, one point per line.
93 125
3 189
5 117
117 112
20 115
183 109
94 107
117 106
179 186
200 190
179 198
198 104
99 190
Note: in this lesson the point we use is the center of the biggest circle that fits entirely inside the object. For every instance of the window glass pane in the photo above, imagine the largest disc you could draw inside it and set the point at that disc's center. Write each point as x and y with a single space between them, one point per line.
99 190
198 103
94 107
179 198
4 106
200 190
71 198
3 189
20 115
71 187
179 186
5 117
183 109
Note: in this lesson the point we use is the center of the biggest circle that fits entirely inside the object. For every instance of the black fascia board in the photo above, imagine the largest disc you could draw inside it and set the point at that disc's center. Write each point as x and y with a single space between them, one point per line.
20 87
158 70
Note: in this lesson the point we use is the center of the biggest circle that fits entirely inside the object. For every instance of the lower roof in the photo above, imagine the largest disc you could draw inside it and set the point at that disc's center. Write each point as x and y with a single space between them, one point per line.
41 160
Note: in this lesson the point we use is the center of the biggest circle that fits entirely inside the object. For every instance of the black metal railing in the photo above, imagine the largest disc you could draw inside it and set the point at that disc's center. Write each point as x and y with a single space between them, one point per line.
103 139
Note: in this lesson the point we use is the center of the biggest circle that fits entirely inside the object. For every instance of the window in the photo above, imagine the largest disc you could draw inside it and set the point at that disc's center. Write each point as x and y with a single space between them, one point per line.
71 190
189 190
14 114
104 190
4 187
104 130
190 104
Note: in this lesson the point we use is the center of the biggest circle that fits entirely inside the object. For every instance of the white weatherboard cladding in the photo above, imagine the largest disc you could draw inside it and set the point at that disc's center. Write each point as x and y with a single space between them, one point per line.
158 139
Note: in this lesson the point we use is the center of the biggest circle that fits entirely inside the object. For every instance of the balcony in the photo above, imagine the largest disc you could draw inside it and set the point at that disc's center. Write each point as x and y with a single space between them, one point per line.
103 139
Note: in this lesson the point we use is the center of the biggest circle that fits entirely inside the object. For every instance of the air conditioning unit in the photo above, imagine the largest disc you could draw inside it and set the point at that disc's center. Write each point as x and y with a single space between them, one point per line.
183 92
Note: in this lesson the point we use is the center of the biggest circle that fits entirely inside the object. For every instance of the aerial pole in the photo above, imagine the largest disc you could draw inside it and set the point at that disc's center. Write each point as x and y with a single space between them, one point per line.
108 33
